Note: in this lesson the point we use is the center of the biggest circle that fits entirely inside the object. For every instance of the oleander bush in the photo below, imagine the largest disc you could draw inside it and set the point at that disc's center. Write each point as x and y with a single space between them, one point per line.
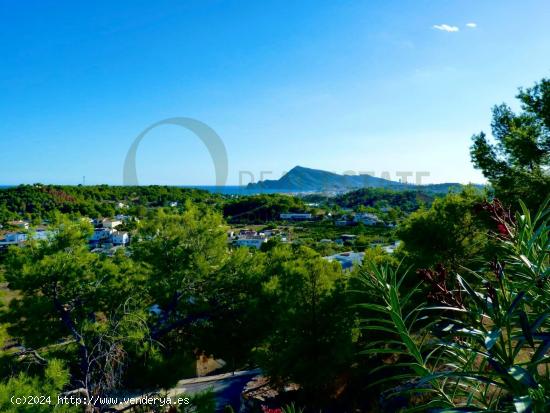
470 340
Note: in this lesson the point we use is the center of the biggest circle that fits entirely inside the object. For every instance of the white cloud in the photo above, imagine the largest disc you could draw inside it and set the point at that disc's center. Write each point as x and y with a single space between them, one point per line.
446 28
471 25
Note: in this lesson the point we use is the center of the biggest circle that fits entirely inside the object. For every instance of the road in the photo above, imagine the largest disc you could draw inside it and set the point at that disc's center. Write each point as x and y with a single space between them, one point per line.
226 387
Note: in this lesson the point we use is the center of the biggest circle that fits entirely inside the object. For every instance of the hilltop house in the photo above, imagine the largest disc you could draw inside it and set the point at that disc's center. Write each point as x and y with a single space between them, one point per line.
366 219
120 238
101 235
109 236
108 223
13 238
359 218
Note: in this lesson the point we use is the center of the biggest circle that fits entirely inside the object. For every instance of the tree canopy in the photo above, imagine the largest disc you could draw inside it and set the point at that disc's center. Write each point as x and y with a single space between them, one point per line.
453 230
517 163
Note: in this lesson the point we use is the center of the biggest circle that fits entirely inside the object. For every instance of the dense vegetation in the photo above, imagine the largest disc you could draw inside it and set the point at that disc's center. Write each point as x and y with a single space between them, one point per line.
517 164
262 208
478 341
92 314
384 198
452 232
457 319
38 201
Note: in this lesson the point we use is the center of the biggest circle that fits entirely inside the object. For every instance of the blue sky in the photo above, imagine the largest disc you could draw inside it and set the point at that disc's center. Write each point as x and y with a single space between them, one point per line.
341 86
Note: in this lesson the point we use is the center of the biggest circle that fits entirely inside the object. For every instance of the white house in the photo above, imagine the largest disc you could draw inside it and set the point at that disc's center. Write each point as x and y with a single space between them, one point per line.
296 216
120 238
101 235
108 223
366 219
173 204
12 238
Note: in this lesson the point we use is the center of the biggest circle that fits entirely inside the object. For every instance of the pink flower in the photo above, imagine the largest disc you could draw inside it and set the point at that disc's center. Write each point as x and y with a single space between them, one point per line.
502 229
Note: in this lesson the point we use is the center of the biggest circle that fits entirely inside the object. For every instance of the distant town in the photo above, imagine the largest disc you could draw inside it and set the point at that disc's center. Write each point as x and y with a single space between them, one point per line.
110 234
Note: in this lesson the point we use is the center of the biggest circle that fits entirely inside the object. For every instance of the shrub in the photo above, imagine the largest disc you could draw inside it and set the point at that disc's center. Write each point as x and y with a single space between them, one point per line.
482 345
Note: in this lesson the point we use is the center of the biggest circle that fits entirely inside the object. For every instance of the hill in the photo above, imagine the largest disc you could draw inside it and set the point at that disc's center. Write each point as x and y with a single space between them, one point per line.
300 178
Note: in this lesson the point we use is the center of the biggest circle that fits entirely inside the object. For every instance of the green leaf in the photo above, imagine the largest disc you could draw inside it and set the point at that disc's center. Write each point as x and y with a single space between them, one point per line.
526 261
458 329
473 294
515 303
492 338
521 375
526 328
541 351
538 322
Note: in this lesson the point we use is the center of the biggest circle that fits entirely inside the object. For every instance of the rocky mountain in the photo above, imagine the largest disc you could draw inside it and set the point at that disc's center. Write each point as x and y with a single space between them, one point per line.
304 179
